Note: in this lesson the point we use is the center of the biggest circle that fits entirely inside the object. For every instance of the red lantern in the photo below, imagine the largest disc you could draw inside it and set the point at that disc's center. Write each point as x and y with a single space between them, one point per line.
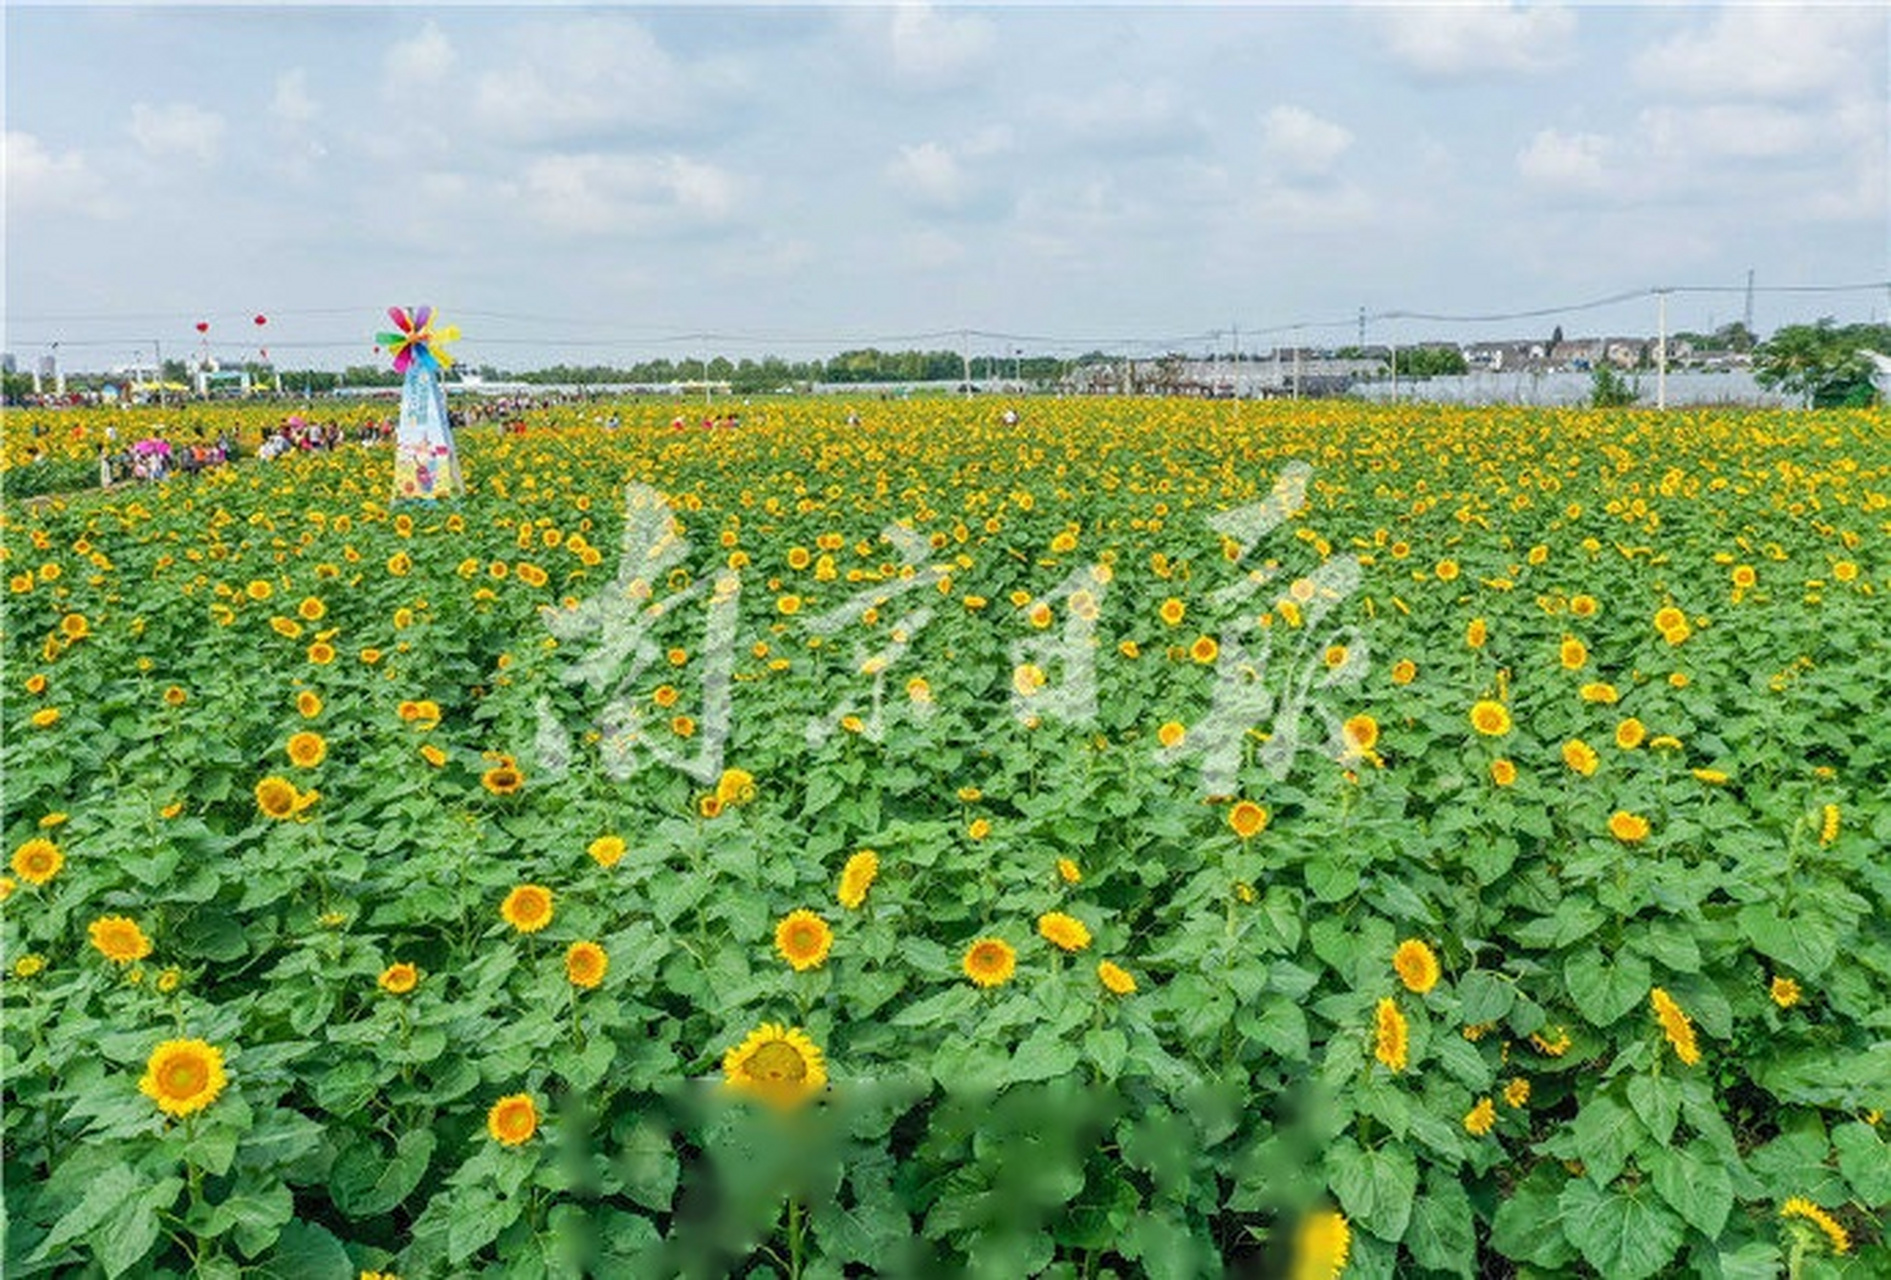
203 326
262 320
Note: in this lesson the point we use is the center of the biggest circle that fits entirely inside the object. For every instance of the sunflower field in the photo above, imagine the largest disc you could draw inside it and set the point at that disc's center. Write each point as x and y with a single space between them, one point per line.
1155 838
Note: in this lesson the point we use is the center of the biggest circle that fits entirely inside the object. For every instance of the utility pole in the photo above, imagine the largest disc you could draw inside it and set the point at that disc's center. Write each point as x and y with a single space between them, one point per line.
1296 364
1362 329
157 358
965 358
1237 364
1661 348
1749 320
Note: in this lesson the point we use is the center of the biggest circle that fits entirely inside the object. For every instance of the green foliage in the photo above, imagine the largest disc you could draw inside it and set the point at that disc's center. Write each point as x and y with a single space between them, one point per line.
1823 362
1609 389
1046 1125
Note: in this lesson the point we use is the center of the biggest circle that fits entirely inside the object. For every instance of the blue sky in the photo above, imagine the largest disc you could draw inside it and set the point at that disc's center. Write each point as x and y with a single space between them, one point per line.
600 184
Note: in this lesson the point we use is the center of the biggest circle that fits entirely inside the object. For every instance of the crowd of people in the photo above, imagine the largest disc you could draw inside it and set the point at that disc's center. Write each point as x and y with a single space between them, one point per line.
297 434
155 458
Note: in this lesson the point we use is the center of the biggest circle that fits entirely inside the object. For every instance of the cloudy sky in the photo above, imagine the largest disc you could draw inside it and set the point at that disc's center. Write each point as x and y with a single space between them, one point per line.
611 183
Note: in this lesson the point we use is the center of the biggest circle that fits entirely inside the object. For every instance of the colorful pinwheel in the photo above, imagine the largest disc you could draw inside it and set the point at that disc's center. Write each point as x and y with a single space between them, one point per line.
417 339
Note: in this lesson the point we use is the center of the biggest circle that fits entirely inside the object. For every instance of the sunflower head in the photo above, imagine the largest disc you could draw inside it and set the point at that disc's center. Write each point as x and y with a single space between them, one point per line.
803 939
777 1064
399 978
119 939
1492 719
306 749
1417 965
502 780
586 964
1629 828
513 1119
1065 932
1247 819
528 908
1116 979
606 851
183 1076
857 877
990 962
37 861
276 797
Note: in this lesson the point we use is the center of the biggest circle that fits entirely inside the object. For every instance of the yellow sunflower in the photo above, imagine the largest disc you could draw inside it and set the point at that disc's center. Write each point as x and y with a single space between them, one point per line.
586 964
607 851
306 750
276 797
777 1064
1417 965
1490 718
183 1076
37 861
1063 931
399 978
1629 828
1116 979
512 1120
804 939
1391 1039
857 877
528 908
118 939
1247 819
990 962
1321 1247
502 780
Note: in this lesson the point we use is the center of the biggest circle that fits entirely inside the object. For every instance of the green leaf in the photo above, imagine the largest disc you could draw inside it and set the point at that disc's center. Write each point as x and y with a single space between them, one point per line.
1625 1235
211 935
1865 1160
1282 1027
308 1252
366 1181
1375 1188
125 1237
1043 1056
1528 1226
1605 1133
114 1185
1657 1103
1603 992
475 1218
1695 1183
1485 996
1807 943
1106 1047
1754 1260
1442 1236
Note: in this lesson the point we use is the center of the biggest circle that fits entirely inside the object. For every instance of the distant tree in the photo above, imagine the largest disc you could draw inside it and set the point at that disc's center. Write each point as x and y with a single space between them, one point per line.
1609 389
1822 363
1733 337
1431 362
1556 340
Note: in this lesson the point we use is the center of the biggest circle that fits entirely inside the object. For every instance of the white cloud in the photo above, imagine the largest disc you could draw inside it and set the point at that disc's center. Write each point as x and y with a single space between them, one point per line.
1772 51
1119 116
591 77
1296 140
420 63
929 175
291 104
177 130
36 179
1465 39
1732 130
593 193
915 46
1565 161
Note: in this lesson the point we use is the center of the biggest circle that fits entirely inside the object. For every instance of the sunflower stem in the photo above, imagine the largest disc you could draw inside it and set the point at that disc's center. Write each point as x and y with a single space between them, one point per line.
795 1228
